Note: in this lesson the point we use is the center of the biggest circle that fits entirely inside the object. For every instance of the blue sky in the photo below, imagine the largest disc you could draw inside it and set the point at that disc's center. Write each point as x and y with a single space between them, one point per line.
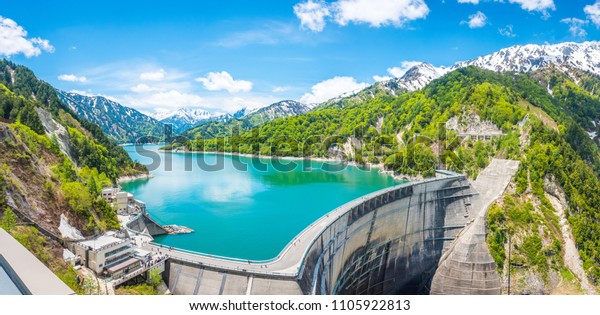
224 55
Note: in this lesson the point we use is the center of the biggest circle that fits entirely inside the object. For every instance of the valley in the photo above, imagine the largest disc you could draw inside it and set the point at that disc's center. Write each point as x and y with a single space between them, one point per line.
534 104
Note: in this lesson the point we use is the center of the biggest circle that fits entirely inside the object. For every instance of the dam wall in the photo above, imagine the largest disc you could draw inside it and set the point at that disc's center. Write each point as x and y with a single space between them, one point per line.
467 267
387 242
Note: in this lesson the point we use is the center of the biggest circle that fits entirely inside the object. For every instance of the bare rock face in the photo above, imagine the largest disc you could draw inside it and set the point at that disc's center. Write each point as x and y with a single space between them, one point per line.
53 128
552 188
471 124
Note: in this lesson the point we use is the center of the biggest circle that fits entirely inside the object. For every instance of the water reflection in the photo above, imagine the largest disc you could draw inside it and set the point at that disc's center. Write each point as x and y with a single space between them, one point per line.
249 214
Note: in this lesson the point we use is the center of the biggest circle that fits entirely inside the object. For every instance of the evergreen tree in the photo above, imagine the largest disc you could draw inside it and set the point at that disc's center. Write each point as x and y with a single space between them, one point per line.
30 118
92 186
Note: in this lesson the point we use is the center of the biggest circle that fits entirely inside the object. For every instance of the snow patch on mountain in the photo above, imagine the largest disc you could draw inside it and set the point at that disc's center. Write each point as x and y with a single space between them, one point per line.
526 58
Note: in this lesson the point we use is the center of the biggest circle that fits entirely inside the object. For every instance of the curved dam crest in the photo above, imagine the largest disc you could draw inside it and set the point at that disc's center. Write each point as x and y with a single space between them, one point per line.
388 242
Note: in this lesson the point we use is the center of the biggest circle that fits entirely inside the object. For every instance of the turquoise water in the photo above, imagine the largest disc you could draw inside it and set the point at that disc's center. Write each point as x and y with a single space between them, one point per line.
249 214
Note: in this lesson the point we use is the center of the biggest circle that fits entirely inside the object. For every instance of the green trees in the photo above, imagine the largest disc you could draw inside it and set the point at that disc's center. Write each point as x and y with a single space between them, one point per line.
78 196
551 154
149 288
9 221
29 117
88 153
413 160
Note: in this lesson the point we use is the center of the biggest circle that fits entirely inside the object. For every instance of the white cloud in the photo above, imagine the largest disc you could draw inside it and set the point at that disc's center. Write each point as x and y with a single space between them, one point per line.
72 78
312 14
507 31
279 89
13 40
404 66
378 78
44 44
535 5
169 99
87 92
469 1
217 81
476 20
141 88
575 26
593 12
331 88
379 12
153 75
375 13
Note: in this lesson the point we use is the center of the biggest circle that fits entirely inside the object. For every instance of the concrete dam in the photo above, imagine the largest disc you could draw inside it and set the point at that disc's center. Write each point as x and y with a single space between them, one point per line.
414 238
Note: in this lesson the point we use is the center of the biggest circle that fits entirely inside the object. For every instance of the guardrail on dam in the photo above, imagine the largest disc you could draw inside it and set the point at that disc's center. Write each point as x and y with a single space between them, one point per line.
387 242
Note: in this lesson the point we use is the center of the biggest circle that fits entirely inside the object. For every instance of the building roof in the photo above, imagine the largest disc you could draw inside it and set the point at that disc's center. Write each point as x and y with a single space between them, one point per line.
31 272
141 252
101 242
122 265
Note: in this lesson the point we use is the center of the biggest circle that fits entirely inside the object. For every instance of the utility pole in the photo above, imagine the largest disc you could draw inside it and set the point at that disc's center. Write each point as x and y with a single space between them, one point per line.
509 262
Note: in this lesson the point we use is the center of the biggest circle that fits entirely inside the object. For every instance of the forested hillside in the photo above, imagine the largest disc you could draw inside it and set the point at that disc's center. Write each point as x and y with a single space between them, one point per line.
53 166
541 117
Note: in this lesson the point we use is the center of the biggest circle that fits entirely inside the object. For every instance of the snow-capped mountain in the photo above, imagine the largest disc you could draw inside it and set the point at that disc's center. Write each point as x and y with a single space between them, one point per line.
582 56
121 123
414 78
244 112
565 56
277 110
187 118
183 118
247 118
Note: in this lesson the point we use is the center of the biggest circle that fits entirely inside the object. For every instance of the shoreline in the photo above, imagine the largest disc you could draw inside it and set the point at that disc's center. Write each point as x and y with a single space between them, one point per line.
130 178
290 158
379 166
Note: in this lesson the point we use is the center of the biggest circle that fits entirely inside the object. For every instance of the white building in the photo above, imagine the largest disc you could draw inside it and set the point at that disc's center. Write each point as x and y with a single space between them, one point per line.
124 200
103 252
110 193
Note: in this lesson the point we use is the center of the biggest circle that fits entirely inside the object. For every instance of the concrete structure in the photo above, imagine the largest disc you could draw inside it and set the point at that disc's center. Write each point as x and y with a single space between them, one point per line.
110 194
142 224
103 252
387 242
467 267
124 200
23 273
472 127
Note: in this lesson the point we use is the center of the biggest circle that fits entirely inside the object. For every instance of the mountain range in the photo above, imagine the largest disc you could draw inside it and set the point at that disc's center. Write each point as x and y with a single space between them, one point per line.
122 124
247 119
540 102
521 58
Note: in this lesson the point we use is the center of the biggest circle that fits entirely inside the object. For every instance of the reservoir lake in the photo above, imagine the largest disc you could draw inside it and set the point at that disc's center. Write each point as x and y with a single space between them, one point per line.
247 213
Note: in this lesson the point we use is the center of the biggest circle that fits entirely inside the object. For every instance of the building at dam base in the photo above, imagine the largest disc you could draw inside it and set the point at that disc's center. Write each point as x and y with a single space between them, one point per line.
414 238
